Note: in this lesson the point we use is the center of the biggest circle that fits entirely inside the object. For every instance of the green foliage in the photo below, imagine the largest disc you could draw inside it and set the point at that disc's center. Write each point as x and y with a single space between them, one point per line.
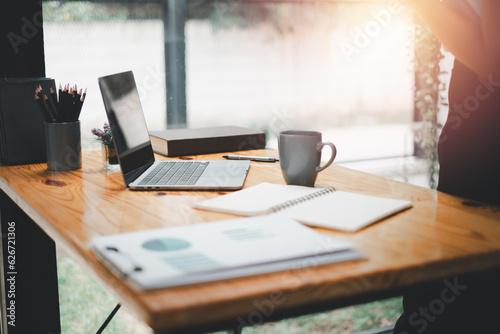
221 14
85 305
342 321
87 11
226 14
429 91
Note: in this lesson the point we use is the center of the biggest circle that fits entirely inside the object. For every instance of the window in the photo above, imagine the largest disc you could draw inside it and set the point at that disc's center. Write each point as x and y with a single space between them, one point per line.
85 40
340 67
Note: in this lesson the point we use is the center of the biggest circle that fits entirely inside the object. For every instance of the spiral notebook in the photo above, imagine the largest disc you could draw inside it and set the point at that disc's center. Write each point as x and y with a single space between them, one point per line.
321 207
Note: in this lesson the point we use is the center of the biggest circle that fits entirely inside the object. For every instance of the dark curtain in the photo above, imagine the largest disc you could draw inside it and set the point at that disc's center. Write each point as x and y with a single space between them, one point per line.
21 46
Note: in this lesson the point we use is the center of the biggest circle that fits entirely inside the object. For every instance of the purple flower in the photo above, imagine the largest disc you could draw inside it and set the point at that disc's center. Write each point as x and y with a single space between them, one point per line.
97 132
105 136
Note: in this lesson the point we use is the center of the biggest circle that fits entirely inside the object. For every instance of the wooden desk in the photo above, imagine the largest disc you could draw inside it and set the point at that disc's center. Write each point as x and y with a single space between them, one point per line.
440 236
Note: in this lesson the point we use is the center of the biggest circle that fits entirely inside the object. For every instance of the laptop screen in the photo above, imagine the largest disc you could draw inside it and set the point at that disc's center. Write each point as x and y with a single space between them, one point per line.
127 124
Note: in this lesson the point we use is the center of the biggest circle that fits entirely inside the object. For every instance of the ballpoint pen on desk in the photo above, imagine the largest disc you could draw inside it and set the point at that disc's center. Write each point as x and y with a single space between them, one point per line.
253 158
66 109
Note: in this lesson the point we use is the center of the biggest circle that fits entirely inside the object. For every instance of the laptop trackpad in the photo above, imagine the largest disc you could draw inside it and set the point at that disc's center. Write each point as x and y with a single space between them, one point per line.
224 174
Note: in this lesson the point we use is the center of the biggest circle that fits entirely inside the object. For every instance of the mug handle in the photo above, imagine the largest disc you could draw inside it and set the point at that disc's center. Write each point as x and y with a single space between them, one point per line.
329 162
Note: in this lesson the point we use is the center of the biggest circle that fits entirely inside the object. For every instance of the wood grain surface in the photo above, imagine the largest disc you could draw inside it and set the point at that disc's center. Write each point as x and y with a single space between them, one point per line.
440 236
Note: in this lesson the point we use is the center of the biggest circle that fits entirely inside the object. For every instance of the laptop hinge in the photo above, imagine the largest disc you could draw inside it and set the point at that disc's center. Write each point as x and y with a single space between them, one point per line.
133 175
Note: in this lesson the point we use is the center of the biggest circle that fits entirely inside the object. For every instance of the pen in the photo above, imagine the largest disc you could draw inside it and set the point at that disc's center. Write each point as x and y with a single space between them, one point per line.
253 158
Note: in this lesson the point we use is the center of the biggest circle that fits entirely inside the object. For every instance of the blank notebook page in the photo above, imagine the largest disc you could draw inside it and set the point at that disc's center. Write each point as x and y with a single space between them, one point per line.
312 206
256 200
344 211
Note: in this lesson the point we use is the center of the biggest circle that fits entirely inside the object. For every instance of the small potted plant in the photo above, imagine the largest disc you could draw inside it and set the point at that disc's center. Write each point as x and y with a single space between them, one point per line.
108 146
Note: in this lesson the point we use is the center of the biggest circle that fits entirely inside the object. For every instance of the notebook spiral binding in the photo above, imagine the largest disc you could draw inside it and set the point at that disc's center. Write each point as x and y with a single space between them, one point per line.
302 199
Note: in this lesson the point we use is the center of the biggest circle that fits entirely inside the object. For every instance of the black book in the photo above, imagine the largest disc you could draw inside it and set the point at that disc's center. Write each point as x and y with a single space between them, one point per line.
179 142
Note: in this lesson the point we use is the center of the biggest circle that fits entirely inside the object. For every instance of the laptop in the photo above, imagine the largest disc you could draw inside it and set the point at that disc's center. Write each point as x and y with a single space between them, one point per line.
135 154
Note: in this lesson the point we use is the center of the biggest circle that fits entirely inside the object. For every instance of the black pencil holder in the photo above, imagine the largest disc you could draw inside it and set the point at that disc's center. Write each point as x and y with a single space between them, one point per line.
64 150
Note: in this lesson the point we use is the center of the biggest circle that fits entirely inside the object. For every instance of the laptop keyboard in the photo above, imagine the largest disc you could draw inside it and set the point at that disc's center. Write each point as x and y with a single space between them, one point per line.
175 173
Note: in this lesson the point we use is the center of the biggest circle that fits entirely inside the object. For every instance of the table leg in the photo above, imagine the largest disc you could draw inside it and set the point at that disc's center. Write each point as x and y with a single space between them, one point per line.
28 272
